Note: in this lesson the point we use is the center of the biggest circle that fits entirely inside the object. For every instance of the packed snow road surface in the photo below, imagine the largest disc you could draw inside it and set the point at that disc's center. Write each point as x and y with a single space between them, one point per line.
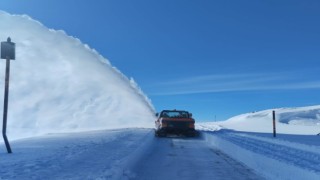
189 158
117 154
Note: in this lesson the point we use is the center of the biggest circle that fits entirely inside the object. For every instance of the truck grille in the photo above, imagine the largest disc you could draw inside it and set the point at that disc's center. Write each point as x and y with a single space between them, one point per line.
178 125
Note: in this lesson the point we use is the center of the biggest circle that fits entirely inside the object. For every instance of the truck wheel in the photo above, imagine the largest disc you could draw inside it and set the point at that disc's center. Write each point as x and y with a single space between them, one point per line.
161 134
156 133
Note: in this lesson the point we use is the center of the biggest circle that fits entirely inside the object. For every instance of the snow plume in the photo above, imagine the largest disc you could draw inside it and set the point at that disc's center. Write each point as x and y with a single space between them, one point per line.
58 84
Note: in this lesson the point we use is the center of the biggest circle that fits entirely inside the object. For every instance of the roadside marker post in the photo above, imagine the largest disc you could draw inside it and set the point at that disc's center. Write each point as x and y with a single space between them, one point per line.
8 53
274 123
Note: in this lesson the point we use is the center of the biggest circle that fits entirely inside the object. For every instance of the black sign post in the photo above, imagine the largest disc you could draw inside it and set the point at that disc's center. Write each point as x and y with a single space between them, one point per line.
8 53
274 123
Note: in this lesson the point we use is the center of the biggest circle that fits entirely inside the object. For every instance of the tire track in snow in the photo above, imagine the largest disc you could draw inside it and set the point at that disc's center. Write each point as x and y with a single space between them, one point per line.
303 159
189 158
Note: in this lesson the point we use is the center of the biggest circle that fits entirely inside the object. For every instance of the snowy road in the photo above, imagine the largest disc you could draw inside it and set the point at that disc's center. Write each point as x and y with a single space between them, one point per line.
189 158
118 154
135 153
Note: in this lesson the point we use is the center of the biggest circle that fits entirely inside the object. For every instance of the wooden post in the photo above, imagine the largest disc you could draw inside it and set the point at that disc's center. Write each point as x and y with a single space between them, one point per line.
274 123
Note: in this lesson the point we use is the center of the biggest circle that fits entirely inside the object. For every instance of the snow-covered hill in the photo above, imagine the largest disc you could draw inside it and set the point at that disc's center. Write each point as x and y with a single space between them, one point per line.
59 84
300 120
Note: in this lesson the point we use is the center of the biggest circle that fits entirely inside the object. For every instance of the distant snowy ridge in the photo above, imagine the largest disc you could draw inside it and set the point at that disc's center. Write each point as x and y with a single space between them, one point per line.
299 120
298 115
59 84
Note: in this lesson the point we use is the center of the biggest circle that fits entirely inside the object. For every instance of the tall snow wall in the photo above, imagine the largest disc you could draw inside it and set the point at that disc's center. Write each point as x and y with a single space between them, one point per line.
58 84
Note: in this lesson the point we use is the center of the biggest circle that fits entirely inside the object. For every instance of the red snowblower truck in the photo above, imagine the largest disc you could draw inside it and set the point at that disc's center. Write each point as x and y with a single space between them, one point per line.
174 122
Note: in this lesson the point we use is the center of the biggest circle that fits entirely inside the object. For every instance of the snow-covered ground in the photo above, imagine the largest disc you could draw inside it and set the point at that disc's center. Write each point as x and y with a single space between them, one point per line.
284 157
293 154
134 153
105 154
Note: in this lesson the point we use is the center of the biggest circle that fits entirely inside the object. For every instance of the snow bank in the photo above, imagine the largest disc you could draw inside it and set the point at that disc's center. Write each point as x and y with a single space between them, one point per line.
271 158
58 84
302 120
270 168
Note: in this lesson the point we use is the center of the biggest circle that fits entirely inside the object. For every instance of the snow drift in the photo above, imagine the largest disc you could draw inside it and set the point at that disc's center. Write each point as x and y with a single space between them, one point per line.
302 120
58 84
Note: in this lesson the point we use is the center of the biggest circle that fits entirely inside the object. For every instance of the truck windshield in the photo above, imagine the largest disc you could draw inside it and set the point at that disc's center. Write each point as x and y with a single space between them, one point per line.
175 114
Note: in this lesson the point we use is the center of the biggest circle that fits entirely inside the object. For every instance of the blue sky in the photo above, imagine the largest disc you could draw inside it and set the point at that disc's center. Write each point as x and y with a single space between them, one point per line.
213 58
